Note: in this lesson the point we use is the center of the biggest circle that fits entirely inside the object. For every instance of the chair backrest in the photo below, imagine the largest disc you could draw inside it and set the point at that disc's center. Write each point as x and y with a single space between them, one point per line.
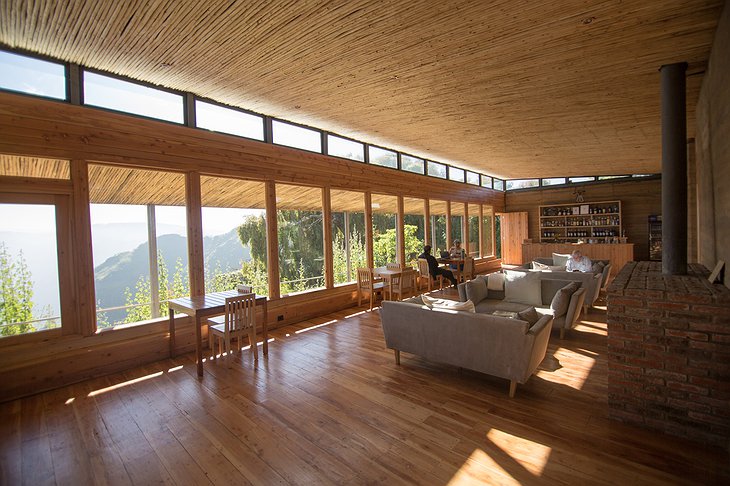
393 266
423 267
468 268
240 312
364 277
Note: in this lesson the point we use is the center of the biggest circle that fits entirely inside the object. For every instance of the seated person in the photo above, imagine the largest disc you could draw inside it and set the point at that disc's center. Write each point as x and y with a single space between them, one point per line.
433 266
457 252
578 263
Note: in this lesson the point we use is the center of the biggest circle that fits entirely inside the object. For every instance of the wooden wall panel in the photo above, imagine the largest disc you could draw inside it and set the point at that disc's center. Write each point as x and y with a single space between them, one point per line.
40 128
639 199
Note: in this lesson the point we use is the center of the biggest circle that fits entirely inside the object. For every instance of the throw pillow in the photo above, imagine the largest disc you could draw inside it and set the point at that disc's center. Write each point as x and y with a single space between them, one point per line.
598 267
539 266
523 287
495 281
561 300
432 303
530 315
476 290
560 260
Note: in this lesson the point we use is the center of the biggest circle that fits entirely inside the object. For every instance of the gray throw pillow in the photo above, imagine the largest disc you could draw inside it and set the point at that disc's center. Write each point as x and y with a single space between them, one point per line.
530 315
539 266
476 290
561 301
522 287
560 259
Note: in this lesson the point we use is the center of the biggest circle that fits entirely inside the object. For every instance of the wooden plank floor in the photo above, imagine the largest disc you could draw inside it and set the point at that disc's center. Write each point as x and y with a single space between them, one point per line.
330 406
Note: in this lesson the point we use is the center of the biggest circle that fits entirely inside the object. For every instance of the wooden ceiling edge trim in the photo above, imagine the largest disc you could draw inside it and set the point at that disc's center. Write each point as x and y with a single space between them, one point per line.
56 145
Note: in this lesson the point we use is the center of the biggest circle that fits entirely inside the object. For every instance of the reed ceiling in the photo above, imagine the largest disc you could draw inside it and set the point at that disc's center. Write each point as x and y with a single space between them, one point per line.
511 88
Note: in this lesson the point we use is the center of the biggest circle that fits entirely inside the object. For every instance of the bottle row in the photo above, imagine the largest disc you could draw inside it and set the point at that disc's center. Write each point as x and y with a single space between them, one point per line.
601 221
612 208
597 232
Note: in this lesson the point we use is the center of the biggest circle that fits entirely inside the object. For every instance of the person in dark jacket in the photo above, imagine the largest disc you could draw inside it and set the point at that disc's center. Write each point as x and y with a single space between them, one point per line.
433 266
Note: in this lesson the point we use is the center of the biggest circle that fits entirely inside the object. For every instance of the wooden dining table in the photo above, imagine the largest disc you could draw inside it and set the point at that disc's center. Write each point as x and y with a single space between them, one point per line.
388 275
447 262
203 306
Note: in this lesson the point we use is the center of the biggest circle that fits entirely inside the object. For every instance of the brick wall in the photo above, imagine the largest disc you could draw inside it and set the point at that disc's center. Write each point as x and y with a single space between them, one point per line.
669 352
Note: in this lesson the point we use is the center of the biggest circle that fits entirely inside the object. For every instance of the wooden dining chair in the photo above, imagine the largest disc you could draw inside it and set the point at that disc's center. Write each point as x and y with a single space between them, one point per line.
403 284
468 272
393 266
425 275
366 283
239 320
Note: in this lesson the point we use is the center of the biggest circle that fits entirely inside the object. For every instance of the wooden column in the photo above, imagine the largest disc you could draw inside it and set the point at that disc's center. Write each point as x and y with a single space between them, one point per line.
369 228
82 255
399 232
465 229
481 231
196 261
329 276
426 223
272 241
152 256
448 226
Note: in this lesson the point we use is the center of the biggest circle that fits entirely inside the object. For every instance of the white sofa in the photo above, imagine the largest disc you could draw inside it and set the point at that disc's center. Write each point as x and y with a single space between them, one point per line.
499 346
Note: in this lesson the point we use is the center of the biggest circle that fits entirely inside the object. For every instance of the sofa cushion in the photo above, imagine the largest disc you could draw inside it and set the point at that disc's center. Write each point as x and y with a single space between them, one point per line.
557 268
523 287
561 301
432 303
476 290
560 260
530 315
598 267
550 287
495 281
540 266
488 306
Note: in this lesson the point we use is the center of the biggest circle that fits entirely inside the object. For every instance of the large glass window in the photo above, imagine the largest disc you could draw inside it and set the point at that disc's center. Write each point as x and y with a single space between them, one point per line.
522 183
32 76
472 178
413 228
349 251
297 137
116 94
486 181
487 230
435 169
29 285
457 222
139 239
301 238
382 157
498 184
345 148
473 230
580 179
234 234
385 209
227 120
437 209
456 174
552 181
412 164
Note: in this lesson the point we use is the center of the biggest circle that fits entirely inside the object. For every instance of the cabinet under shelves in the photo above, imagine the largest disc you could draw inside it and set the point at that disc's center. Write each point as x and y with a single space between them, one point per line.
594 222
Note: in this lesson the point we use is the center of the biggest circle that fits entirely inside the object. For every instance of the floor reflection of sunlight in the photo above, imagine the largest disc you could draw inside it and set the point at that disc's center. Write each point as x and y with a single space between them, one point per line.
574 375
479 468
315 327
531 455
70 401
175 368
355 314
124 383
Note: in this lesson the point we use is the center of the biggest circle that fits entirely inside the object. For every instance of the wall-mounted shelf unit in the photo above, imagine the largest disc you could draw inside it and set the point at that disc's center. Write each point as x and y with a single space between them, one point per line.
590 222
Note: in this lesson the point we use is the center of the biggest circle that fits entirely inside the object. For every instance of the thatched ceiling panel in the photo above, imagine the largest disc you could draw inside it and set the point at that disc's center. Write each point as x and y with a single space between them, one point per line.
513 88
412 205
15 166
226 192
437 207
298 197
120 185
350 201
384 204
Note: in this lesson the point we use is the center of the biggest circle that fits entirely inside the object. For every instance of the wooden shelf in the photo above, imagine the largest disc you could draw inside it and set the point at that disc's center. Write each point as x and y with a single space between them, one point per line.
597 222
